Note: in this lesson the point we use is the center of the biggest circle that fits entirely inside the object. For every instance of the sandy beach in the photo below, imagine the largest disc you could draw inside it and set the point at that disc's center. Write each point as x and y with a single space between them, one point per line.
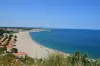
33 49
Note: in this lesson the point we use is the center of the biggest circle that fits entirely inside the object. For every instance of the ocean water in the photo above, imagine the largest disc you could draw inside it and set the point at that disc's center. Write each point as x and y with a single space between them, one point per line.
70 40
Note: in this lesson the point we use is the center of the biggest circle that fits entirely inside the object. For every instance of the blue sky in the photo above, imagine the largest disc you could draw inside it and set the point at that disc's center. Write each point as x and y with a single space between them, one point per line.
79 14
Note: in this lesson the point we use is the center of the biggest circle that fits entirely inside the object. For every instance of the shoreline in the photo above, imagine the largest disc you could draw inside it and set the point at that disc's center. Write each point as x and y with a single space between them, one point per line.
26 44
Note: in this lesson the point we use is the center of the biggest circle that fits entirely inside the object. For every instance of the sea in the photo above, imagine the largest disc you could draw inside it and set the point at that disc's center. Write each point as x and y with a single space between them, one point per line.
70 41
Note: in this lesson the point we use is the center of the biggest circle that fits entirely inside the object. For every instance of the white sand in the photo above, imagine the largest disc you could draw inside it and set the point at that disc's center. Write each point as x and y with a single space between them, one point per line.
26 44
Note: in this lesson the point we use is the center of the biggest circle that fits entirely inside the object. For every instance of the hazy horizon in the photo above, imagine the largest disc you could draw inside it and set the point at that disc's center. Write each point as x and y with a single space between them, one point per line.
52 28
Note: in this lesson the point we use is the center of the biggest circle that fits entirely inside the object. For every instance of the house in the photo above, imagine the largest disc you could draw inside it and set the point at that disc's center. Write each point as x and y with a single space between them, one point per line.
9 47
20 54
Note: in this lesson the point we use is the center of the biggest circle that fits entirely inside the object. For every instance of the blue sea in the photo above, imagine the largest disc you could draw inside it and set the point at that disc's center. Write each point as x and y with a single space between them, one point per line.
70 40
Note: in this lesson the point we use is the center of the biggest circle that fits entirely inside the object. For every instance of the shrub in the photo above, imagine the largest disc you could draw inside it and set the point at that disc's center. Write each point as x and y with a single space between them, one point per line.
15 40
76 59
54 60
15 36
27 60
4 39
14 50
7 59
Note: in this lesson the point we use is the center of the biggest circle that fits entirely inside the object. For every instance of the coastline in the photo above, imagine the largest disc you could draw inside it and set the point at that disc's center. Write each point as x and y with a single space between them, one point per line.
33 49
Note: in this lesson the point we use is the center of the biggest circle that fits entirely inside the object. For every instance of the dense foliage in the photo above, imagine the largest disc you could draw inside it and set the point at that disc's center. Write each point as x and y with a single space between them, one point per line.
7 60
26 60
14 50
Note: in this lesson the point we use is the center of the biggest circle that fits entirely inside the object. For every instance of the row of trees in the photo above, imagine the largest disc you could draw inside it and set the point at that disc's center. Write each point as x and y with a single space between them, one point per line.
4 31
14 50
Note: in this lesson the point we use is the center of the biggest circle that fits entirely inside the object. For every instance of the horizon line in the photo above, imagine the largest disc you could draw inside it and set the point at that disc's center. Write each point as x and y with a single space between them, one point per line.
50 28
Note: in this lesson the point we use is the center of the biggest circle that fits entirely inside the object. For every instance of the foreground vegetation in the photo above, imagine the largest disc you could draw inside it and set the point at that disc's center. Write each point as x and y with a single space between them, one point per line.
73 60
53 60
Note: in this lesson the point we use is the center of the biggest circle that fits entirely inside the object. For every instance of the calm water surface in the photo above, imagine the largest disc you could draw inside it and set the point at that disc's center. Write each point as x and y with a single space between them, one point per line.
70 40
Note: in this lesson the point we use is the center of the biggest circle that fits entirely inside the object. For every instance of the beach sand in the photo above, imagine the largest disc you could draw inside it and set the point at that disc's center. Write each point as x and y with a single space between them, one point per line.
33 49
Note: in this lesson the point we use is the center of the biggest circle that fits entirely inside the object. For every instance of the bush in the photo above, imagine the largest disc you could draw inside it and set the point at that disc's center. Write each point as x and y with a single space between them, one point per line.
15 40
77 59
4 39
14 50
27 60
7 59
1 32
54 60
15 36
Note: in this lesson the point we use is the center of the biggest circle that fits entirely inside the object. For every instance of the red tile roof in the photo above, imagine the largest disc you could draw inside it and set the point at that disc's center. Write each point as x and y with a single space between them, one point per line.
9 46
20 53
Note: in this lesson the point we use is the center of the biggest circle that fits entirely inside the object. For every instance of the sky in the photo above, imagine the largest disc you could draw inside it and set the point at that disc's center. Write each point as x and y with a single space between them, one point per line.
78 14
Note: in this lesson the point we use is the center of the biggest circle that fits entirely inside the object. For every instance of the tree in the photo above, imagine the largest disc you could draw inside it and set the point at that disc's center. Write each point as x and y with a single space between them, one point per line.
27 60
1 51
85 59
4 39
4 48
14 50
15 39
7 59
7 43
0 43
15 36
1 32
